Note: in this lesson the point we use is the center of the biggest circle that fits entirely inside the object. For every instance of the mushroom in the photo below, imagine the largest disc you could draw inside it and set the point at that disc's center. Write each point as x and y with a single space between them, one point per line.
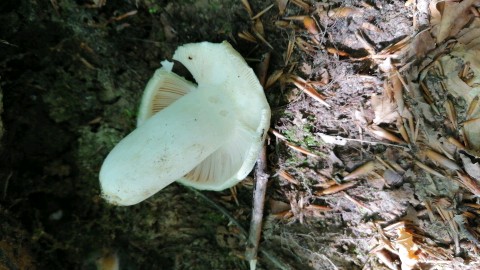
206 136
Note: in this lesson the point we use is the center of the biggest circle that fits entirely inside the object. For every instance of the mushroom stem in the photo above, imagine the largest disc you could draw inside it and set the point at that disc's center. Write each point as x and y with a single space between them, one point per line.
165 149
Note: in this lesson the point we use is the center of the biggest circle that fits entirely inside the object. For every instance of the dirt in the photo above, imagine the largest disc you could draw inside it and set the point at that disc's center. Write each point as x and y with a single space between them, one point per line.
72 74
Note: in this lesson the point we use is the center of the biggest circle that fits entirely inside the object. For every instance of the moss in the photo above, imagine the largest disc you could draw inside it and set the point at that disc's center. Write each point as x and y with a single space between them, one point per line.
215 217
94 144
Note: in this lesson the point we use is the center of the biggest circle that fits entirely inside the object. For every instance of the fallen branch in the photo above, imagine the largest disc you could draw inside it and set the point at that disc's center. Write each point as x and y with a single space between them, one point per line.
257 212
261 179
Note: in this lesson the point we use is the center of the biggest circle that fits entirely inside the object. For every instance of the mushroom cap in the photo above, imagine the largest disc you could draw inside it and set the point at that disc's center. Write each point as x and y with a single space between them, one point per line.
232 107
220 66
228 70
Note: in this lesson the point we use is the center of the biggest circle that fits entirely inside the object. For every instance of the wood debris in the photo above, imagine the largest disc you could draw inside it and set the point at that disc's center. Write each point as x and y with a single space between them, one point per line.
360 171
288 177
301 150
307 88
335 188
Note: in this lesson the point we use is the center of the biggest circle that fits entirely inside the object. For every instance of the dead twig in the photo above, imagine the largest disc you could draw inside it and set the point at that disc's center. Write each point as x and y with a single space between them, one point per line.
261 179
357 202
257 211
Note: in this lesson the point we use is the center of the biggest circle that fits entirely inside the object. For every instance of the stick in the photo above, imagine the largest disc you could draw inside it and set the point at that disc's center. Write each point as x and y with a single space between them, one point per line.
257 211
261 179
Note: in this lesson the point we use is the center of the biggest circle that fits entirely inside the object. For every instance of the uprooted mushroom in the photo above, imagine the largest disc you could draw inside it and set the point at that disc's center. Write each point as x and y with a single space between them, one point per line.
206 136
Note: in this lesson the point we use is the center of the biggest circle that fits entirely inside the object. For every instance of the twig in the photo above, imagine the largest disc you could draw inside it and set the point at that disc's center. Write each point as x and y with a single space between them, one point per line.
261 179
358 203
257 211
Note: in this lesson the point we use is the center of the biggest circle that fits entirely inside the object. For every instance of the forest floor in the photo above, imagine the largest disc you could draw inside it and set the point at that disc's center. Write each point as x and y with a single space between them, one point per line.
372 151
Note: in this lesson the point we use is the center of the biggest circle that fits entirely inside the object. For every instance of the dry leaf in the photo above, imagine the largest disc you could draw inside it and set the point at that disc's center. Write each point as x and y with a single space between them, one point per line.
282 5
343 12
407 249
360 117
456 86
385 110
472 168
278 206
472 131
435 14
397 90
422 44
455 16
469 35
468 48
283 174
394 84
441 160
385 257
362 170
383 134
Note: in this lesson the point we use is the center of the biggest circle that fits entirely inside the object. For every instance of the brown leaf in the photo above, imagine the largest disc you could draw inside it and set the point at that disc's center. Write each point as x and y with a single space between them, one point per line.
455 16
384 108
469 35
278 206
441 160
435 12
343 12
360 171
394 84
422 44
384 134
282 5
407 249
455 86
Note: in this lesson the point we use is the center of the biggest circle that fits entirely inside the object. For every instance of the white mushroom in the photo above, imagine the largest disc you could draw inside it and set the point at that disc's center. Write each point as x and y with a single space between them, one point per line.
206 136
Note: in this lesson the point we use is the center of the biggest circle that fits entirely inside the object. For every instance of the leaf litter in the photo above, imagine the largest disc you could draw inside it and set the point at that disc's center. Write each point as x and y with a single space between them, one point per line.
403 122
